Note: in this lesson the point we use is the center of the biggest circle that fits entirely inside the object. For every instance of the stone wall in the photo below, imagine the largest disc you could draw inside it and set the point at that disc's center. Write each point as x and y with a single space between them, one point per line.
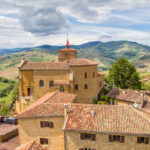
30 130
73 142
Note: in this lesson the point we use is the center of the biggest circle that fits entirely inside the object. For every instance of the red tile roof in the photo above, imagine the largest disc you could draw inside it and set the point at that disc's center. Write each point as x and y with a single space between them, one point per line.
81 62
100 74
44 66
51 104
106 119
6 128
32 145
127 95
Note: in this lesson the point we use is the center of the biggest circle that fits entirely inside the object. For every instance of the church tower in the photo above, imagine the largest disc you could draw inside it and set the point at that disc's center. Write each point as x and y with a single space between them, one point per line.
64 55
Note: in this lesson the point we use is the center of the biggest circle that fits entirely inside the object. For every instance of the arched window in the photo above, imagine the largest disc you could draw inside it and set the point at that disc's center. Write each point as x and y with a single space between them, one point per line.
41 83
51 83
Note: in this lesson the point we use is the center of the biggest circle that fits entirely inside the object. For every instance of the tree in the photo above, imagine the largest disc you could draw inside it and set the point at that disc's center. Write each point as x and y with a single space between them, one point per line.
123 75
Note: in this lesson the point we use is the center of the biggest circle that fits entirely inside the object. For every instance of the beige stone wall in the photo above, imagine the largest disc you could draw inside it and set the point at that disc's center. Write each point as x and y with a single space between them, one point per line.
30 130
85 95
73 142
47 76
26 81
122 103
66 55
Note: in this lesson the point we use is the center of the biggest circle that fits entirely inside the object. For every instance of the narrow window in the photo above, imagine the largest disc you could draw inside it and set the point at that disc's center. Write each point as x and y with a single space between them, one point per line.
93 74
48 124
100 84
44 141
76 86
85 86
41 83
85 76
51 83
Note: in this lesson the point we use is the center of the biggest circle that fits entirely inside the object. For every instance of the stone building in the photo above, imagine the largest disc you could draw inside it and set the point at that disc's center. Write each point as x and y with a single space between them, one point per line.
70 74
57 123
129 97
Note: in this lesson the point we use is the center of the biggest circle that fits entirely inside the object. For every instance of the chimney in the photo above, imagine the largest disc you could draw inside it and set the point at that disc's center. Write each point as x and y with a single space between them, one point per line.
66 109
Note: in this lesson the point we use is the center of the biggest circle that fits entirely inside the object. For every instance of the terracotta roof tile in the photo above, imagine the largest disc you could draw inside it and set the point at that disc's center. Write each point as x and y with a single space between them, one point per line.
127 95
106 119
81 62
51 104
32 145
6 128
100 74
45 66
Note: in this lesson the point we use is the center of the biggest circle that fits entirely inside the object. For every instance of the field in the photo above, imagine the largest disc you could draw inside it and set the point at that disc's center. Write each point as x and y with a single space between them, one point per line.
8 94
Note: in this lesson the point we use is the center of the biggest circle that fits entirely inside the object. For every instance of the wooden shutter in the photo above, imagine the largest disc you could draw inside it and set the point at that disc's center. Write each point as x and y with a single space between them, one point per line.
110 138
138 139
93 137
122 139
41 124
146 141
82 136
51 125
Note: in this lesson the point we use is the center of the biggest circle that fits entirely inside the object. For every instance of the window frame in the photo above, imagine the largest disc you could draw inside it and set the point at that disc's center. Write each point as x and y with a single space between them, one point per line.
76 87
143 140
85 75
85 86
41 83
51 83
116 138
46 124
43 143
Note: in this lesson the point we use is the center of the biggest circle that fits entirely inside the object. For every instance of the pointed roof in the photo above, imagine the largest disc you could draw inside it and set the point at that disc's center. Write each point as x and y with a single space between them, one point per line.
67 44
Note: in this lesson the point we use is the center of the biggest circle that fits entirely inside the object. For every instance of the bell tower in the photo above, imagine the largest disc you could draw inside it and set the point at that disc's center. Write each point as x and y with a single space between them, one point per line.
64 55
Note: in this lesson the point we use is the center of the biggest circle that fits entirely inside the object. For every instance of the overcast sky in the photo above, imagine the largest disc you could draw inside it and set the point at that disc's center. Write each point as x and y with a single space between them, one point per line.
26 23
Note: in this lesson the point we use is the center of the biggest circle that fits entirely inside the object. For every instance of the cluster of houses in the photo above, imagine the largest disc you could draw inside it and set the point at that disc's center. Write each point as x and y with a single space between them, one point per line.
61 115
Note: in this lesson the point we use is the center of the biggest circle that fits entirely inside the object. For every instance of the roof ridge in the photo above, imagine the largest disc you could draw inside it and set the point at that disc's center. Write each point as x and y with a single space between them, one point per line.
137 111
56 92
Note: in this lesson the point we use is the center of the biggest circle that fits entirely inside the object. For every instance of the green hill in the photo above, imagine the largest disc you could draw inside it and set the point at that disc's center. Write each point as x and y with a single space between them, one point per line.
103 52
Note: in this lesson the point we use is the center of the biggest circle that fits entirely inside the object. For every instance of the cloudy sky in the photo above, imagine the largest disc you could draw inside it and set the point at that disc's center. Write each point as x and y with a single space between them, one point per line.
26 23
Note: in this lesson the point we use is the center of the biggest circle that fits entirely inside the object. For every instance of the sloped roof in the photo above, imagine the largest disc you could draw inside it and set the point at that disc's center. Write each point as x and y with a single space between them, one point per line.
81 62
44 66
106 119
61 82
127 95
100 74
32 145
51 104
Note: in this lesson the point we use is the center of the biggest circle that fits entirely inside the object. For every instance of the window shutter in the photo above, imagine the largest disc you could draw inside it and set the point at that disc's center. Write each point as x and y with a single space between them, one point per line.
41 123
93 137
138 140
110 138
122 139
51 125
82 136
146 141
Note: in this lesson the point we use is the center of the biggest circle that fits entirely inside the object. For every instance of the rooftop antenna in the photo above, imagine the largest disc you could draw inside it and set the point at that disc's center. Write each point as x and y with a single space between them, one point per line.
67 44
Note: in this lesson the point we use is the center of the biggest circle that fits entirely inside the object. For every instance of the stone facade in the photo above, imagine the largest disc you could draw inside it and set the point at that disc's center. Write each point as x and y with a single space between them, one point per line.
30 130
73 142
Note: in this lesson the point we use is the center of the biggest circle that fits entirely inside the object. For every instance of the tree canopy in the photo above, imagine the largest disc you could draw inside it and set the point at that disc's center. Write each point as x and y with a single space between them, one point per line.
123 75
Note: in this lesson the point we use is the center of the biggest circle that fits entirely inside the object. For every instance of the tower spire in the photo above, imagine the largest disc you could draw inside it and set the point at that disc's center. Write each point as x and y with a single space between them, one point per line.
67 44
